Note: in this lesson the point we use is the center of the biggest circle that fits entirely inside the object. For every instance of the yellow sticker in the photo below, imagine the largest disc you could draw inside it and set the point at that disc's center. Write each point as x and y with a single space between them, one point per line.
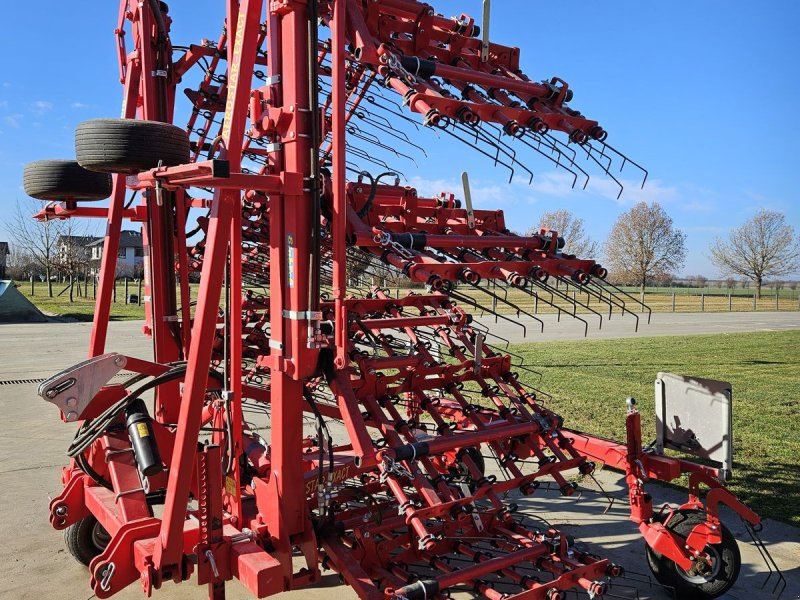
141 428
230 486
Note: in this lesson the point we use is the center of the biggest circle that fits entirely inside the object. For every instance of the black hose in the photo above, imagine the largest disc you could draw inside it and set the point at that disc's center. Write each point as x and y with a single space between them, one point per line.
373 190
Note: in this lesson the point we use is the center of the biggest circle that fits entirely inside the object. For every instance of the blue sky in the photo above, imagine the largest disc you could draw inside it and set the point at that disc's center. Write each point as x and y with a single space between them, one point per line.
702 93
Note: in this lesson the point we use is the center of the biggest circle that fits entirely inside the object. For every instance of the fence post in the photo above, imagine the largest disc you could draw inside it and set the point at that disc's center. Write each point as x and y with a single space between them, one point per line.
730 302
33 293
755 306
702 303
536 303
777 307
126 290
641 299
139 291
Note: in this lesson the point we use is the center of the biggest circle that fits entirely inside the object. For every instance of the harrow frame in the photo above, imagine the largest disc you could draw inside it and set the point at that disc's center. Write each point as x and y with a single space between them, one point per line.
405 490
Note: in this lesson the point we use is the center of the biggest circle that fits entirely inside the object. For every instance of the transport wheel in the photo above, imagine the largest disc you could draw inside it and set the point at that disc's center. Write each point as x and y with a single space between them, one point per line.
129 146
703 581
86 539
64 180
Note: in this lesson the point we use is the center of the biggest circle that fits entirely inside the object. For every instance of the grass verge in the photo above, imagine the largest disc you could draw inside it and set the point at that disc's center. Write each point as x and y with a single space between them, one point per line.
589 381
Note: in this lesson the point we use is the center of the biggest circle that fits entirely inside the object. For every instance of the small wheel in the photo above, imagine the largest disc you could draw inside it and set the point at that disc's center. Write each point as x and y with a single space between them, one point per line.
64 180
704 581
129 146
86 539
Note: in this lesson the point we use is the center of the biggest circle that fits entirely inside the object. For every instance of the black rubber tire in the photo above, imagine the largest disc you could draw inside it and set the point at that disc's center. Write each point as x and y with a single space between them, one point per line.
129 146
670 574
64 180
82 540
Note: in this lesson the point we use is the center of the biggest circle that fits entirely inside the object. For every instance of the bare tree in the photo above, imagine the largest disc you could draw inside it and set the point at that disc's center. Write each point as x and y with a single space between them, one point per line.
644 243
571 229
37 239
730 283
764 246
72 254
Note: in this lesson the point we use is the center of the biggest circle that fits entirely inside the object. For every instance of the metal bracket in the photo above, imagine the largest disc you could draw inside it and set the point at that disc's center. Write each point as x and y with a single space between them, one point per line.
273 147
487 8
272 80
302 315
478 351
468 200
73 389
275 344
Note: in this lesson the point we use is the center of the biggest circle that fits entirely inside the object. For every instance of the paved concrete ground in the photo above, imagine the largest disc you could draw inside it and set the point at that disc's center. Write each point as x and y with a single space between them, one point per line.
625 326
33 441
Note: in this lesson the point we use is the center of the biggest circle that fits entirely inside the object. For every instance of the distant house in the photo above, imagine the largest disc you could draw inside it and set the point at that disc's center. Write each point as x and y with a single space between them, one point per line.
3 253
72 251
130 258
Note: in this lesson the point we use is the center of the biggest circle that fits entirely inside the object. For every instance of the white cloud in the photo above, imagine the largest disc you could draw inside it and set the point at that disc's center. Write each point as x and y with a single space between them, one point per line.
80 105
12 120
41 107
486 196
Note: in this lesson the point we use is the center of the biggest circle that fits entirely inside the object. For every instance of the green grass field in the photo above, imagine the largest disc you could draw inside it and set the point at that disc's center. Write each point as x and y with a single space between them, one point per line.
82 308
589 381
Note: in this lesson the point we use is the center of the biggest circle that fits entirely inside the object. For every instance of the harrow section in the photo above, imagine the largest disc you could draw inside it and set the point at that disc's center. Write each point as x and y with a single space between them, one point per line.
421 430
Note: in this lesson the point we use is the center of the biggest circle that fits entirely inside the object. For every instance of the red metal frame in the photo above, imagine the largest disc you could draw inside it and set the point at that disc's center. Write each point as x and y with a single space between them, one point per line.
408 487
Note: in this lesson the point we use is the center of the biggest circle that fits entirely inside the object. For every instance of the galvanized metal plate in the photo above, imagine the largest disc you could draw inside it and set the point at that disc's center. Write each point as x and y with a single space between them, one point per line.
694 415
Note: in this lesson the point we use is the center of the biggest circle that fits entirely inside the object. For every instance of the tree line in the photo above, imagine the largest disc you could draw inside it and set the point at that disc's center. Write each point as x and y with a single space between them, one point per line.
645 246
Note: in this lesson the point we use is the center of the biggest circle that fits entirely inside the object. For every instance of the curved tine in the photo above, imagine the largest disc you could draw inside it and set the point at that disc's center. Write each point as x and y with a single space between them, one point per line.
575 301
590 292
544 139
468 300
626 159
557 307
532 295
589 148
485 330
575 304
505 149
550 158
361 153
617 301
558 142
566 298
477 131
508 302
370 98
513 154
486 154
395 133
636 300
371 138
607 172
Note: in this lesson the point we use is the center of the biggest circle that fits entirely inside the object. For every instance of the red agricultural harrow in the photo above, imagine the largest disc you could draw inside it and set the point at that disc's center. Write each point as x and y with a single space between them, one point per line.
422 426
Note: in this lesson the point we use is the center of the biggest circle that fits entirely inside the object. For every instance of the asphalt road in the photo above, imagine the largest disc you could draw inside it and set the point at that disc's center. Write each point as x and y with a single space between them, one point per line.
33 440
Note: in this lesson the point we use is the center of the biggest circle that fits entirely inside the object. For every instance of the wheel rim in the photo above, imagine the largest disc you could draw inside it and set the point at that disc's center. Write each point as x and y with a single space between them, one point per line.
701 578
100 537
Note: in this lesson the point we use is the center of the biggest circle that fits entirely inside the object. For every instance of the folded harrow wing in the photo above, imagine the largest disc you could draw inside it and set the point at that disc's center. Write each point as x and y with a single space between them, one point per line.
422 428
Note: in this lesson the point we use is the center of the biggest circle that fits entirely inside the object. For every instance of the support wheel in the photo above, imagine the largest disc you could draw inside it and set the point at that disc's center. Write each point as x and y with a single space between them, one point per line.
64 180
86 539
129 146
701 583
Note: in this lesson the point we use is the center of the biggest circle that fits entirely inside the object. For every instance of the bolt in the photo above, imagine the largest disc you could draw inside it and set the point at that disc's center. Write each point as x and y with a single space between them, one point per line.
71 415
61 510
366 535
72 402
120 361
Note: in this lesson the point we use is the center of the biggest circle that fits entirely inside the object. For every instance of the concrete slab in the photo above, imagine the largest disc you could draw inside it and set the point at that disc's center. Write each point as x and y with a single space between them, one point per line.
32 449
625 326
